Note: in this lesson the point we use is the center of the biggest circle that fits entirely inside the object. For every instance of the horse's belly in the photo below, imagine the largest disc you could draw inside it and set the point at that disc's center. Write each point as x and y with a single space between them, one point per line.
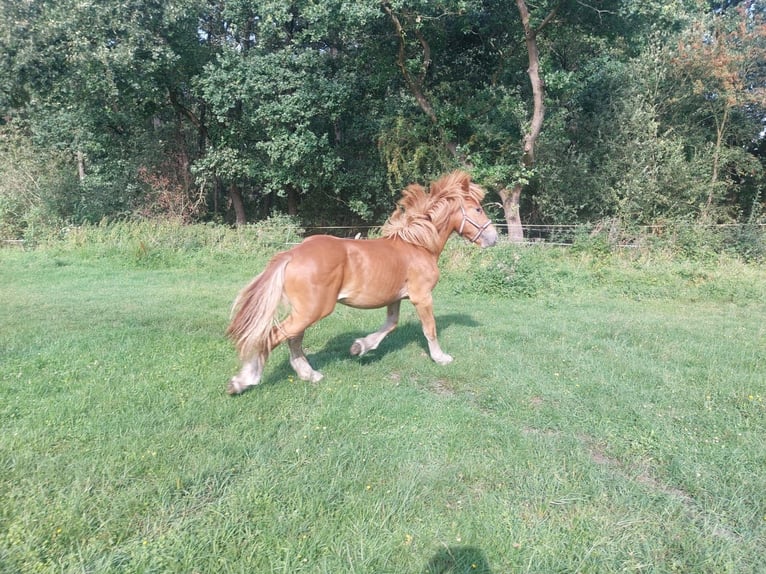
370 299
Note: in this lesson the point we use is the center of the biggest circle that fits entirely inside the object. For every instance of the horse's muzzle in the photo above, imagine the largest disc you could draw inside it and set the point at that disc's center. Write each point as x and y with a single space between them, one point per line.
487 237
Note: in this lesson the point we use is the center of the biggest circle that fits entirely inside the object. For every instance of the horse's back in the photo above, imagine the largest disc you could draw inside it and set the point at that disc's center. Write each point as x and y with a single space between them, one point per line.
357 252
319 254
365 273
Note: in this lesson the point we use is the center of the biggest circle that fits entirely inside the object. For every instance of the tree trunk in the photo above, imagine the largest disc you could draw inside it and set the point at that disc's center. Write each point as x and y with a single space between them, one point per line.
292 201
238 204
80 166
720 131
511 199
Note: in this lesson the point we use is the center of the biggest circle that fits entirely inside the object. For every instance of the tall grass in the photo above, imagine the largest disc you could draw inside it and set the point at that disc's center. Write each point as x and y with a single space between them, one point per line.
605 413
163 243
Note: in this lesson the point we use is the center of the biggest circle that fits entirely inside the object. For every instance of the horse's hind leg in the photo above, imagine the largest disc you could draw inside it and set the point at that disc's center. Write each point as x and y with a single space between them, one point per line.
252 368
249 375
371 341
299 361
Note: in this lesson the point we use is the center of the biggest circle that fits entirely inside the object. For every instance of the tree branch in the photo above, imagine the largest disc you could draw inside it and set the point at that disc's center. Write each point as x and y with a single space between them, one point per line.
189 114
596 10
426 56
548 19
538 86
414 85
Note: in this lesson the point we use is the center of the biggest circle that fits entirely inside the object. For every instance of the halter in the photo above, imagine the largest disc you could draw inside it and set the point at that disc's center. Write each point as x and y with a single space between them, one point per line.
480 228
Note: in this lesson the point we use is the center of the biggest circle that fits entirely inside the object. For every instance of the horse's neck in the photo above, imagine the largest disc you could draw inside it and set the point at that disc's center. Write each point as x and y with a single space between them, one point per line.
444 235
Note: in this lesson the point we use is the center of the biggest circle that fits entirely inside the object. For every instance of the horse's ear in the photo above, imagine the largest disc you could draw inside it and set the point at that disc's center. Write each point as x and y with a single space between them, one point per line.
465 181
457 179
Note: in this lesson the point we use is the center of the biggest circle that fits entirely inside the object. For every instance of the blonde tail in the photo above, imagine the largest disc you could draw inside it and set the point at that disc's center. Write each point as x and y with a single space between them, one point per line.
256 307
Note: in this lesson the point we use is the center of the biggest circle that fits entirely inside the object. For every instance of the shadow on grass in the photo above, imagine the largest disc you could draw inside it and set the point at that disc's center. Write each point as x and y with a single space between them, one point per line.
337 349
458 560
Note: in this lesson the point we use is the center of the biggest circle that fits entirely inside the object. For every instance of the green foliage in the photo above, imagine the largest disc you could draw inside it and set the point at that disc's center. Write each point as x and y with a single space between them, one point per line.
327 109
596 241
408 156
31 188
502 272
745 241
748 241
682 240
637 156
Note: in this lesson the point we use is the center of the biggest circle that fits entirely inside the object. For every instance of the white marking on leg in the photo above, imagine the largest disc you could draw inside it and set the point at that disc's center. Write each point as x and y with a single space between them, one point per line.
300 363
437 354
248 376
371 341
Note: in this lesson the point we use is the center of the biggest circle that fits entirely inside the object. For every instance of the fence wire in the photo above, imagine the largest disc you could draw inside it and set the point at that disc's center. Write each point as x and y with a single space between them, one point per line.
612 232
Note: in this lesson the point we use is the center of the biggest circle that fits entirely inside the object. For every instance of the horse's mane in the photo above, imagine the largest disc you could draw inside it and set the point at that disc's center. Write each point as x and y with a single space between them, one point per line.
421 214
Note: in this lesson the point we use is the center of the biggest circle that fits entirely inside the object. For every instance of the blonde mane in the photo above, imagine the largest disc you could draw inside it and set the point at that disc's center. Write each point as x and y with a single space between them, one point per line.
421 215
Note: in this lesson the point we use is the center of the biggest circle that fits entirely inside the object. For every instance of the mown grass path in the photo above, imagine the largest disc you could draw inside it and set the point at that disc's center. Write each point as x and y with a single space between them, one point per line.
615 422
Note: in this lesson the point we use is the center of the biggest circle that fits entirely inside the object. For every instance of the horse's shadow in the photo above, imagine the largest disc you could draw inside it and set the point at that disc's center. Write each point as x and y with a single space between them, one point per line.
458 560
337 349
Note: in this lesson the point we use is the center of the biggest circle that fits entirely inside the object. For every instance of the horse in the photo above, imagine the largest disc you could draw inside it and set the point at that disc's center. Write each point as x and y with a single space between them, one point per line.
321 271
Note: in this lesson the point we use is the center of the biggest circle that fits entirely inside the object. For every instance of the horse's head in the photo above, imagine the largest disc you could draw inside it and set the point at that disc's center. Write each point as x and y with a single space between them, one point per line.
451 204
474 225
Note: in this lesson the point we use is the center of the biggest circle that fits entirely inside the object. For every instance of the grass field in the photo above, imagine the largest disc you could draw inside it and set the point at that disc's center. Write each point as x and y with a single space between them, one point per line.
602 414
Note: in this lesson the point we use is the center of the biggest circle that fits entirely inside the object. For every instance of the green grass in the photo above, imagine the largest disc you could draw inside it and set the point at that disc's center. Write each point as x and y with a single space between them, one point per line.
603 414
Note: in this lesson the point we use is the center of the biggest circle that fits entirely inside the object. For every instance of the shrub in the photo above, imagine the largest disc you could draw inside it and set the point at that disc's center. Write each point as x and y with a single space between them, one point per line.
167 242
506 270
29 185
747 241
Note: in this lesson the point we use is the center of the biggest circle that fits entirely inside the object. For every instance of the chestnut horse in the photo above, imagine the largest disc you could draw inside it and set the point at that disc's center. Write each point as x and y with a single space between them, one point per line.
369 273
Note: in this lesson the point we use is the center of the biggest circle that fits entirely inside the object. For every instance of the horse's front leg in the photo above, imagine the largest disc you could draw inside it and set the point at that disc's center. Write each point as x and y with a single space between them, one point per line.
425 310
371 341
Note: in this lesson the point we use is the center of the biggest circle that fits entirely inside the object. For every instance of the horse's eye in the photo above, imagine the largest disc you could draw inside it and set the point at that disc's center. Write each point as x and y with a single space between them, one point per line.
479 210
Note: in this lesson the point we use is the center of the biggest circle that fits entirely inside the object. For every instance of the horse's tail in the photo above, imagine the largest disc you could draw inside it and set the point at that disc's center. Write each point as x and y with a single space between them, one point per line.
256 307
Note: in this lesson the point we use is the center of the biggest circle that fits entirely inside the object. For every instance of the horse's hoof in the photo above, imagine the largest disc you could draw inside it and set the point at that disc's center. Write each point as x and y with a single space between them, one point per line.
233 388
356 348
316 376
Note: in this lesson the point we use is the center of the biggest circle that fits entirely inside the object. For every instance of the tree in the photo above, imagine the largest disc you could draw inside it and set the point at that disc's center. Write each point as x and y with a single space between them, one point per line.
720 60
278 94
511 198
571 110
92 79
